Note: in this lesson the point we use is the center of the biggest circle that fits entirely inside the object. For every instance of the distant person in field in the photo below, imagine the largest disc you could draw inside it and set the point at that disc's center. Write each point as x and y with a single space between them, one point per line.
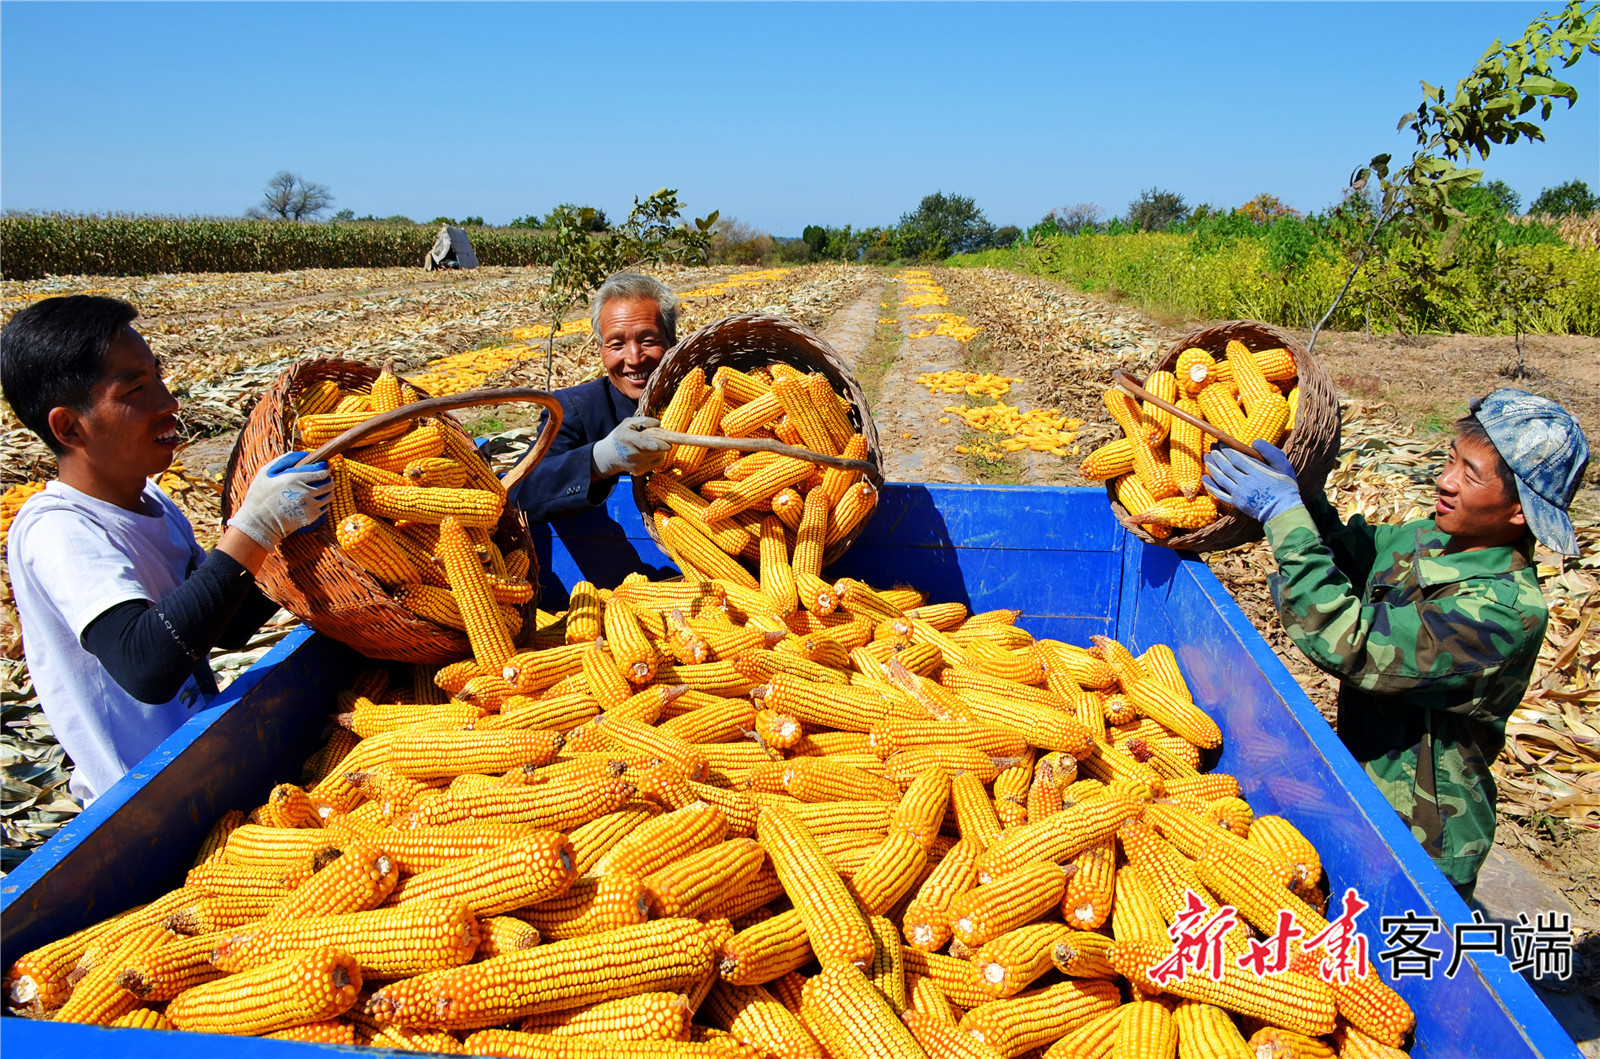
634 319
120 606
1432 626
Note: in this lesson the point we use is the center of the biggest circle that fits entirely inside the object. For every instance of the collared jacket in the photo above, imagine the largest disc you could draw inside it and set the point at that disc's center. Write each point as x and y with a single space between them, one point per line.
1433 650
560 485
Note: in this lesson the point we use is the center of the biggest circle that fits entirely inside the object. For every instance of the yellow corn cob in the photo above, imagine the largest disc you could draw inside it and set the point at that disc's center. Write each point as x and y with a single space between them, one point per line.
832 780
805 413
1279 837
431 753
626 641
316 985
1157 699
851 511
1196 836
753 1015
436 472
531 671
853 1018
316 430
554 806
765 951
370 719
1010 901
1354 1044
386 942
645 1017
809 543
788 505
1011 793
342 504
926 998
380 551
491 644
1133 496
1294 407
745 420
1222 411
523 872
707 419
288 806
694 884
319 397
441 607
760 487
1044 793
1189 445
836 480
889 873
1207 1032
326 1031
502 934
1082 953
777 576
666 955
684 502
694 551
1087 901
738 387
1110 460
1009 963
274 848
1146 1031
141 1019
359 879
1272 1042
1158 421
1232 814
1134 914
1106 763
1151 469
957 978
1206 788
685 399
1059 836
590 906
96 997
1293 1001
834 924
1095 1039
1039 1016
468 507
658 843
424 441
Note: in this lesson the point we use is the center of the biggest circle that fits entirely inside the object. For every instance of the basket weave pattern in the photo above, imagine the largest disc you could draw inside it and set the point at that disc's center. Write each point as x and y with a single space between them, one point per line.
1312 446
309 575
746 342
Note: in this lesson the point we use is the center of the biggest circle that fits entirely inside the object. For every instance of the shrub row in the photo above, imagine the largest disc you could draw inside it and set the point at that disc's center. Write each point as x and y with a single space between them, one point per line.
38 245
1407 290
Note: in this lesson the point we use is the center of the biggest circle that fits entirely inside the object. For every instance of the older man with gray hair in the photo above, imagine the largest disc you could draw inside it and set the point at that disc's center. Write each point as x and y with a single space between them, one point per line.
635 321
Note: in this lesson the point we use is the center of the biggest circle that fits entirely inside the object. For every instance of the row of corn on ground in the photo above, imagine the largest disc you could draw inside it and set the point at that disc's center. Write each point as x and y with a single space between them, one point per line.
692 818
1156 466
712 507
391 500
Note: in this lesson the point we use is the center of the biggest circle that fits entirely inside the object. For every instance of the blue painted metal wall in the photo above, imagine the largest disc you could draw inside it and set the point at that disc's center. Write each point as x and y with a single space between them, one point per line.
1056 553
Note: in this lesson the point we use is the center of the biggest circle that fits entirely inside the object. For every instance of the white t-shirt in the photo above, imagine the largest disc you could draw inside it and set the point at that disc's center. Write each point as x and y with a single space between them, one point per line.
72 558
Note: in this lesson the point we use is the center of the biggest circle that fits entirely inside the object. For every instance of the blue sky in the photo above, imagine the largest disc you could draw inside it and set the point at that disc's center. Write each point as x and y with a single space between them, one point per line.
778 114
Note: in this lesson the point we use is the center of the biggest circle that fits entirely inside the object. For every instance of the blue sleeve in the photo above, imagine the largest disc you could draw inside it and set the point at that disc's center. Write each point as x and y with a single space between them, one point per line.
560 485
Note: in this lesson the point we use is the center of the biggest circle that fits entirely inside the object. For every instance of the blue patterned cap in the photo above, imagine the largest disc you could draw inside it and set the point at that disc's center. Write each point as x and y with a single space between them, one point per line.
1545 448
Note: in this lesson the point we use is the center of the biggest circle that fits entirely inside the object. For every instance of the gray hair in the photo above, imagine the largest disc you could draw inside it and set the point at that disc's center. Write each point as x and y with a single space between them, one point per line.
631 285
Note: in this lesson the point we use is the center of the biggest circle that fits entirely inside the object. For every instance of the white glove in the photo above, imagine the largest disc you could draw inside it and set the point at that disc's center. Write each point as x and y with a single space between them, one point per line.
628 451
283 498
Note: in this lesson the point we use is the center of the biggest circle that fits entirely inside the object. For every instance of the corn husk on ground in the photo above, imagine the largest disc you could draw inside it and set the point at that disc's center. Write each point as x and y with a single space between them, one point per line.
713 508
1155 468
684 822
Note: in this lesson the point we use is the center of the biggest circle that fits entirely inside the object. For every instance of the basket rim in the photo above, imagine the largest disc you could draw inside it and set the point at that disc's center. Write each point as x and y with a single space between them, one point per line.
807 350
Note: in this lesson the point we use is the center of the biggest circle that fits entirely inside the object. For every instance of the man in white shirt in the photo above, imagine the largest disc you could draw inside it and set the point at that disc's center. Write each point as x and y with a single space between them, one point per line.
120 606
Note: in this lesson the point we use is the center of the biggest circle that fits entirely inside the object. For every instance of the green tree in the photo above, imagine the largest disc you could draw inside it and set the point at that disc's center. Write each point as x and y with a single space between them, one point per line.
1565 200
1491 105
585 255
1155 210
816 239
1499 195
948 224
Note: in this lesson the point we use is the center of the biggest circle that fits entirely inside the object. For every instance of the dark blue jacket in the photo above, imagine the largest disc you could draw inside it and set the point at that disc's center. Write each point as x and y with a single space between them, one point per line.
560 485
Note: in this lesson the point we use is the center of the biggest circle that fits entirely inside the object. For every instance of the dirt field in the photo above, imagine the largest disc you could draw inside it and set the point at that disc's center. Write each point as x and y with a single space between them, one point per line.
222 338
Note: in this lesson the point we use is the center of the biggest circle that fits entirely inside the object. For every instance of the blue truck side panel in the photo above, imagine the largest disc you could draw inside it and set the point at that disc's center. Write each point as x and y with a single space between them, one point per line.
1056 553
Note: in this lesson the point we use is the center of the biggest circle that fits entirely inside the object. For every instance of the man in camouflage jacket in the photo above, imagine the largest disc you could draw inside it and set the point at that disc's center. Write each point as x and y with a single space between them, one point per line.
1432 626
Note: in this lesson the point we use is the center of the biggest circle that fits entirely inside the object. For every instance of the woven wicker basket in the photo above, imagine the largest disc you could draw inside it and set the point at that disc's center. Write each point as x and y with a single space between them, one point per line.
1312 446
310 576
746 342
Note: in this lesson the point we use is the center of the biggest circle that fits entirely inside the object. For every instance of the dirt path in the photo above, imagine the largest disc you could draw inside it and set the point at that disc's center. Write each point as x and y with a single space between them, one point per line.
852 327
916 447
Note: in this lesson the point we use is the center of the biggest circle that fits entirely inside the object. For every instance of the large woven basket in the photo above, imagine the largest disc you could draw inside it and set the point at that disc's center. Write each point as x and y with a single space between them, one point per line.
746 342
310 576
1312 446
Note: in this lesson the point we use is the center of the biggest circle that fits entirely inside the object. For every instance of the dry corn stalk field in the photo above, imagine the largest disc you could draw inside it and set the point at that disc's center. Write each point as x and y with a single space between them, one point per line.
977 375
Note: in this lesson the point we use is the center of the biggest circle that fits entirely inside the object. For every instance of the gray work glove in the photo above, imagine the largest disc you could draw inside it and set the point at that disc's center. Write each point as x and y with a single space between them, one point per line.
626 450
1260 490
283 498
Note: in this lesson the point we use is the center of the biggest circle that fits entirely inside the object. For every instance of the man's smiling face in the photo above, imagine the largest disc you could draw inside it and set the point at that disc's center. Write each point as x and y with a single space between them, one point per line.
632 340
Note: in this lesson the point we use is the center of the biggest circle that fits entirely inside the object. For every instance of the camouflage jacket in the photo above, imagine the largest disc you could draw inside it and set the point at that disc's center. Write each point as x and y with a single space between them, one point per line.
1432 650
